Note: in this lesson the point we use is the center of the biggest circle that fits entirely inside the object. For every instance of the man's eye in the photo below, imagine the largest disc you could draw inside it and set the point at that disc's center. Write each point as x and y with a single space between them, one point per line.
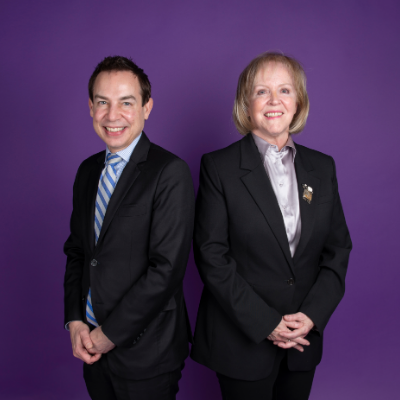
102 102
126 103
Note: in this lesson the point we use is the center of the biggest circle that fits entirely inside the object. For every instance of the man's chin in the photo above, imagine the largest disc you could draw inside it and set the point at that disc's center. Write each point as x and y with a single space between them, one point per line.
115 145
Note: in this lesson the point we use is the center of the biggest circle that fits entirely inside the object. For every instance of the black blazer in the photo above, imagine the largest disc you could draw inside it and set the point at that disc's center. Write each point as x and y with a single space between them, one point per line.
243 256
136 269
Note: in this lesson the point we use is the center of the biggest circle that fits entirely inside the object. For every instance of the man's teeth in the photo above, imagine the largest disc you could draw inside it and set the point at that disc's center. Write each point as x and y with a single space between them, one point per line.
114 129
275 114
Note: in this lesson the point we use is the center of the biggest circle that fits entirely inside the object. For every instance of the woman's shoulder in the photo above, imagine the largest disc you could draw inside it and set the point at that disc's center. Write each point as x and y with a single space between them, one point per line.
313 155
225 154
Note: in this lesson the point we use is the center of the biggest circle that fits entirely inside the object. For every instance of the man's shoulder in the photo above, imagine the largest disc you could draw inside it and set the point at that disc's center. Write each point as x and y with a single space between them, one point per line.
94 159
162 157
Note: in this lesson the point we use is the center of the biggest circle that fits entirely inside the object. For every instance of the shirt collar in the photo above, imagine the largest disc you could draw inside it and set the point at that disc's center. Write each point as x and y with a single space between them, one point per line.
263 146
126 153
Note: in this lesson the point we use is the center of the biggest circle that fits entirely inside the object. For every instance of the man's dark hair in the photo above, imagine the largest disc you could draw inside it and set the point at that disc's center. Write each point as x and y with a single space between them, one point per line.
119 63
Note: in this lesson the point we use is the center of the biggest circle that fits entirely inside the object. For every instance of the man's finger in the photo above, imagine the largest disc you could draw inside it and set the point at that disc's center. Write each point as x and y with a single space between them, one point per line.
95 358
81 353
86 340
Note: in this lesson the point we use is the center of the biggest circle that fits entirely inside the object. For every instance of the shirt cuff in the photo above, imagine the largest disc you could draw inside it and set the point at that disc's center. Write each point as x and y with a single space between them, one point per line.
66 325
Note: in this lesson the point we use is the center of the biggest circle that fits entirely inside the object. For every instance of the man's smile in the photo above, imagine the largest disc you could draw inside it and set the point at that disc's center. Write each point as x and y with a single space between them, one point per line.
115 129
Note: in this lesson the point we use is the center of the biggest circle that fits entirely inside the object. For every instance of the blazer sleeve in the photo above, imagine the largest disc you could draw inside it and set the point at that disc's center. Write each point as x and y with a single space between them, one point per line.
168 251
217 267
329 286
73 249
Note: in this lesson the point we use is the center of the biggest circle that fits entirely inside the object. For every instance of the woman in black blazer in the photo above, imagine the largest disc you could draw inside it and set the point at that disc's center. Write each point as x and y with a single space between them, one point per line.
271 243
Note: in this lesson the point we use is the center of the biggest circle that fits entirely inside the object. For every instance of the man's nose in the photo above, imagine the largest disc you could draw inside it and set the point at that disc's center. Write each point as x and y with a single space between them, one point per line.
113 113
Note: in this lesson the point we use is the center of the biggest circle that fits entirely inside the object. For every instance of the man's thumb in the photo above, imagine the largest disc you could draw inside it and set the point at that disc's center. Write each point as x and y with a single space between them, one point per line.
86 341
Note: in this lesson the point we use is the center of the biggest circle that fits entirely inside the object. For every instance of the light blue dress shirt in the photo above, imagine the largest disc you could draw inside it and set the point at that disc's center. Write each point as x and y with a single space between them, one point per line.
125 154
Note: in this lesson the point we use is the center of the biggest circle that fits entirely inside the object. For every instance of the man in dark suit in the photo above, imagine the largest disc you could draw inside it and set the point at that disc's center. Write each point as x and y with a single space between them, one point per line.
131 229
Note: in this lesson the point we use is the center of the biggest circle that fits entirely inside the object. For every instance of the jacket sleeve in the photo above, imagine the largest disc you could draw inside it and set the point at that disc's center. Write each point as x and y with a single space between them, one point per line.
329 286
216 265
73 249
169 246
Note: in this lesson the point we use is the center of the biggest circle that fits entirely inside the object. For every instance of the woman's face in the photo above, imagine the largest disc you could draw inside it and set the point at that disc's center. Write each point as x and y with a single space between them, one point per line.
273 102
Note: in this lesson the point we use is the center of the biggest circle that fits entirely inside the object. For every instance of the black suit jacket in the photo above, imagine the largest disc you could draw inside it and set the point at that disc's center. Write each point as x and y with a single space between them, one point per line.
243 256
136 269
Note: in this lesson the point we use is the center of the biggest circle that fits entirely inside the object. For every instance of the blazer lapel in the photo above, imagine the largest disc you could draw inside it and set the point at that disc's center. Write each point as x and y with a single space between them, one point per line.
93 183
304 175
128 177
260 188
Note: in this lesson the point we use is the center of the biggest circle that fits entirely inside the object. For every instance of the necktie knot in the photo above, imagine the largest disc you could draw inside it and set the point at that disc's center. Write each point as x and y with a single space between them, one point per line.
113 159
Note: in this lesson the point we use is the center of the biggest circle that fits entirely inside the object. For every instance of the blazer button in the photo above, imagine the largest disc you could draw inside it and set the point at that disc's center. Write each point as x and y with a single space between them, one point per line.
83 298
134 342
290 282
93 263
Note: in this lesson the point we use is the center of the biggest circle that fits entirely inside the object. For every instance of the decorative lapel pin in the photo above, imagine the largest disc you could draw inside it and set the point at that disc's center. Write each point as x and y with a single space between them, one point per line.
307 194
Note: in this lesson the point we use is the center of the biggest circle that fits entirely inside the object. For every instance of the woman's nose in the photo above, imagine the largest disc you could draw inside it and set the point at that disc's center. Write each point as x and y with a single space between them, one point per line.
274 99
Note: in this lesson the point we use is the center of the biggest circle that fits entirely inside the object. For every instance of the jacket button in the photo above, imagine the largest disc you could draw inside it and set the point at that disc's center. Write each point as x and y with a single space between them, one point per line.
93 263
83 298
290 281
141 334
134 342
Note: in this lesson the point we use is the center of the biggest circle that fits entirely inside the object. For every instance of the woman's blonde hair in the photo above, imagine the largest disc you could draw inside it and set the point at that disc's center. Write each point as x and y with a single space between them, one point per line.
245 86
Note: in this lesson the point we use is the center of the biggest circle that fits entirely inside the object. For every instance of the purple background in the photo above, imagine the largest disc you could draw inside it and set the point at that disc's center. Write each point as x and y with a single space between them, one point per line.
193 53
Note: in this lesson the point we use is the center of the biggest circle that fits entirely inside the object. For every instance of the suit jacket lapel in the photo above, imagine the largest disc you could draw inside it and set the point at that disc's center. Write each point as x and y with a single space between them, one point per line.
92 187
304 175
259 186
128 177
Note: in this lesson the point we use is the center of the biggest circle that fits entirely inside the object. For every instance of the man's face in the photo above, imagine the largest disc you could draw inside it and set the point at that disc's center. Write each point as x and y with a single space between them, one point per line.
117 111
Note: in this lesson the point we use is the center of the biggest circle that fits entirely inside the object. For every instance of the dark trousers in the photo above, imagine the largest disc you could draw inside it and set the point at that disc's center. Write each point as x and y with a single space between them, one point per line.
281 384
102 384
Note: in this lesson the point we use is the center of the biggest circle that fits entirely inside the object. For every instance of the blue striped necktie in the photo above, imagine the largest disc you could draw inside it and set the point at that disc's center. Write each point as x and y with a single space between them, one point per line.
104 192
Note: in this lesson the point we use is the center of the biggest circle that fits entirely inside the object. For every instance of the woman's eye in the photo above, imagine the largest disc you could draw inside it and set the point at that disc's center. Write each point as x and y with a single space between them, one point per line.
261 92
285 90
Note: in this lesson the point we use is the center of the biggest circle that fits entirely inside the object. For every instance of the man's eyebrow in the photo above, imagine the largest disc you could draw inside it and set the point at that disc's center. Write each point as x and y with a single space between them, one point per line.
97 96
128 97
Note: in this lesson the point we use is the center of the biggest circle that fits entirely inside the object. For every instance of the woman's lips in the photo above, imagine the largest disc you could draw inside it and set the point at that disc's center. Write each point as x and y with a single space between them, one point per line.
275 114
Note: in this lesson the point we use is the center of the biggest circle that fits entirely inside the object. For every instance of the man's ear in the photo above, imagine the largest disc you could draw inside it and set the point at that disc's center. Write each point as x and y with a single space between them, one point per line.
91 107
147 108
